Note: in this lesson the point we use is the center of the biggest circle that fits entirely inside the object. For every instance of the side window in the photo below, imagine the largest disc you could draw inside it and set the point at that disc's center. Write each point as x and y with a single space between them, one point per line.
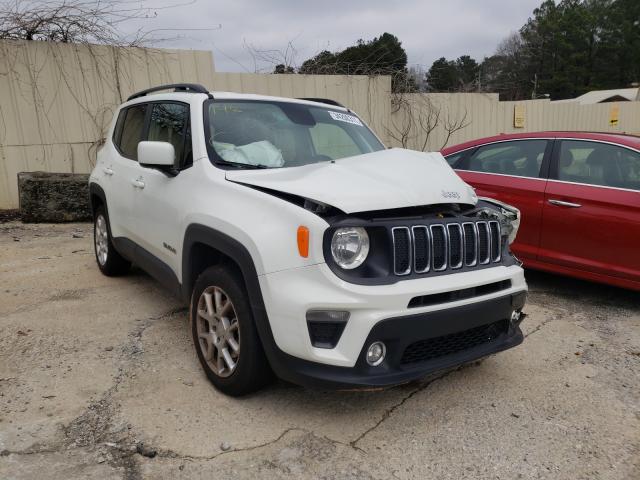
131 130
453 158
117 131
598 164
332 141
170 123
521 158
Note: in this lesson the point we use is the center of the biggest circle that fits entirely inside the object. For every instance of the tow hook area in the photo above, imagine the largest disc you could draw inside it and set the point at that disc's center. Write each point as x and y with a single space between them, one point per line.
517 317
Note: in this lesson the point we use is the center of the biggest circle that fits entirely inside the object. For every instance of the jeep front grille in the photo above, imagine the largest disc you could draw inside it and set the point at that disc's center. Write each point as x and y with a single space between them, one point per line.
445 246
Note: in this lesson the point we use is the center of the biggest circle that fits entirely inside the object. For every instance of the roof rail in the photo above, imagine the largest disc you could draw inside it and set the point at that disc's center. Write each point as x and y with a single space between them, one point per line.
177 87
328 101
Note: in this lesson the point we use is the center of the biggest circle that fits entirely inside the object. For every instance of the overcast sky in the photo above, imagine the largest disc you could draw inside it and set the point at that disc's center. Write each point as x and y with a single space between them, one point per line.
428 29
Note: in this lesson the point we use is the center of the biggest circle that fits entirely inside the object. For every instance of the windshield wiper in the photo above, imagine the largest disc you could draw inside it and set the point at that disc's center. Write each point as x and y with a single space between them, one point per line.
240 165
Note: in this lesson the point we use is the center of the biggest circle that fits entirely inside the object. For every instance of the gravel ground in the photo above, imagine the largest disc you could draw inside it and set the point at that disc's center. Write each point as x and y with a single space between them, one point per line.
99 379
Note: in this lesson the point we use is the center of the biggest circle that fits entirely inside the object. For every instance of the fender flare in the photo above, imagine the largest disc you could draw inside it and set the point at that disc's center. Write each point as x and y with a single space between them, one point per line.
196 233
238 253
95 189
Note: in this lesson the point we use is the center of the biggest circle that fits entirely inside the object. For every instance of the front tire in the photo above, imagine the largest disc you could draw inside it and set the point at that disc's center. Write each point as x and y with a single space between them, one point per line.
224 333
110 262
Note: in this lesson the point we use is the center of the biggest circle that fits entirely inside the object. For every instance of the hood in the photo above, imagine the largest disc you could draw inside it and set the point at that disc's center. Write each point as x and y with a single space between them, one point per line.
387 179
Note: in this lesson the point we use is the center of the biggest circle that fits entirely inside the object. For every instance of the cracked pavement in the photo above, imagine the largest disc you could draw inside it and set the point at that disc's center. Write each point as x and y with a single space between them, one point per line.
99 379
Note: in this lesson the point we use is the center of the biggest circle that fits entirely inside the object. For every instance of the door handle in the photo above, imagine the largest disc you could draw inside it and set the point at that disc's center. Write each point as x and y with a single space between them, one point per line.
107 171
137 183
561 203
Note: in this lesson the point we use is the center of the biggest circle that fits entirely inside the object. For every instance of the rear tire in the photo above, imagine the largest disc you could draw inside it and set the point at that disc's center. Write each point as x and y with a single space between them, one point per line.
110 262
225 335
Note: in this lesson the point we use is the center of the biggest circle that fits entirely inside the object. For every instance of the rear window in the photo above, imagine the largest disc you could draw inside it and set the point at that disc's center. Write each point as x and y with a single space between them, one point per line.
596 163
129 129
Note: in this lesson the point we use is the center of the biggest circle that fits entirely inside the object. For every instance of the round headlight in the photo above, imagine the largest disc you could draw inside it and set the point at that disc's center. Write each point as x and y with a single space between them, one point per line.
350 247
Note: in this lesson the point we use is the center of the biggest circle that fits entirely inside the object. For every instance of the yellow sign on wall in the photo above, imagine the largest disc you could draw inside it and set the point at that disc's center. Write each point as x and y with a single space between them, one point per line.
614 113
518 116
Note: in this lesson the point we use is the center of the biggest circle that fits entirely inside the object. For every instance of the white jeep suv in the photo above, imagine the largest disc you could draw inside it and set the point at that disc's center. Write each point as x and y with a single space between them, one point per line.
304 247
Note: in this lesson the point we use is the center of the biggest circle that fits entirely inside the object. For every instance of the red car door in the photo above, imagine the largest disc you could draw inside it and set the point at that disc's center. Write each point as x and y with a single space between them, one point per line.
591 215
514 172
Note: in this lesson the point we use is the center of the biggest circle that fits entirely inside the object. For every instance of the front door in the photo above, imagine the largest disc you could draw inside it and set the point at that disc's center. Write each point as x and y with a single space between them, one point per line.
159 192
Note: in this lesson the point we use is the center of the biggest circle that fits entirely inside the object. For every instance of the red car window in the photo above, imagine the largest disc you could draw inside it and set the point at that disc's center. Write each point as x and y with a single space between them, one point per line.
452 159
599 164
522 158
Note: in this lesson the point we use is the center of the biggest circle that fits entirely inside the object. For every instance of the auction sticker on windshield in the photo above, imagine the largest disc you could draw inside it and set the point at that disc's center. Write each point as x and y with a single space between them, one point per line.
343 117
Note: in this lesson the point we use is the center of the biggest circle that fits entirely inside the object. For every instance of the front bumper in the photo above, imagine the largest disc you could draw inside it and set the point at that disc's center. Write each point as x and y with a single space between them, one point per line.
288 296
399 333
382 313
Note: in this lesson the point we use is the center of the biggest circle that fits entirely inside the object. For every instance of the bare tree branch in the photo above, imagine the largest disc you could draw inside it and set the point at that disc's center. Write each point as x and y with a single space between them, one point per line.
273 60
415 117
452 125
82 21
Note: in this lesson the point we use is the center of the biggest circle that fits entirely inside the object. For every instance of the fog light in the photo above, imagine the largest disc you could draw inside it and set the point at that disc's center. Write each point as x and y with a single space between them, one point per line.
515 316
376 353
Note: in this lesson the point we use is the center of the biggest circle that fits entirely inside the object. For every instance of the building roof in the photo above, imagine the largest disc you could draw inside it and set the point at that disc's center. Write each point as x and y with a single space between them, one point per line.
600 96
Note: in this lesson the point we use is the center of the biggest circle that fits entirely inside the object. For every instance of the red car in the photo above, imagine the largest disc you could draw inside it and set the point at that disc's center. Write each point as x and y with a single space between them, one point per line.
578 193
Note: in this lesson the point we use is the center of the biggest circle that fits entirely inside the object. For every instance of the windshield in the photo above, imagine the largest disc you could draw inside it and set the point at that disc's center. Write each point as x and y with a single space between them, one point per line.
265 134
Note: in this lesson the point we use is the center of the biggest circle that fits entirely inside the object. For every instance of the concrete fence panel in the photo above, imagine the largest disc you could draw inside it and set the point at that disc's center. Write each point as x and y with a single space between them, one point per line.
474 115
57 100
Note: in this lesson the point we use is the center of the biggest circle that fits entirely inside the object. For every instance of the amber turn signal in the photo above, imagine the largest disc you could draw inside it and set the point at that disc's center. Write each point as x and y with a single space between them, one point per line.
303 241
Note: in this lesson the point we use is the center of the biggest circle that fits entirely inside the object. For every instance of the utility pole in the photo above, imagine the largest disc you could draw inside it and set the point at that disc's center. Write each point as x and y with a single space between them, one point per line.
535 86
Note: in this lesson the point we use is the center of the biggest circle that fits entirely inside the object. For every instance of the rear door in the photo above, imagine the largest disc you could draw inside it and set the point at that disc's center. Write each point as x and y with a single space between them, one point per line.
123 168
514 172
591 218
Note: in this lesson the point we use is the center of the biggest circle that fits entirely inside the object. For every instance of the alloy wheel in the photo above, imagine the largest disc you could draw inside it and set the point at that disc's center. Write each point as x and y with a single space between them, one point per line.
101 238
218 331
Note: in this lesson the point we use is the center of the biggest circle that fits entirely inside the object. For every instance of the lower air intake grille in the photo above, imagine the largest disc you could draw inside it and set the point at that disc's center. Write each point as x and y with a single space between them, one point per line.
431 348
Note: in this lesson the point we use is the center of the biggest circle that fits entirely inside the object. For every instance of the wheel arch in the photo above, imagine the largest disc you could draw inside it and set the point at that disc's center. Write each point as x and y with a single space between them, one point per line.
203 245
97 198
